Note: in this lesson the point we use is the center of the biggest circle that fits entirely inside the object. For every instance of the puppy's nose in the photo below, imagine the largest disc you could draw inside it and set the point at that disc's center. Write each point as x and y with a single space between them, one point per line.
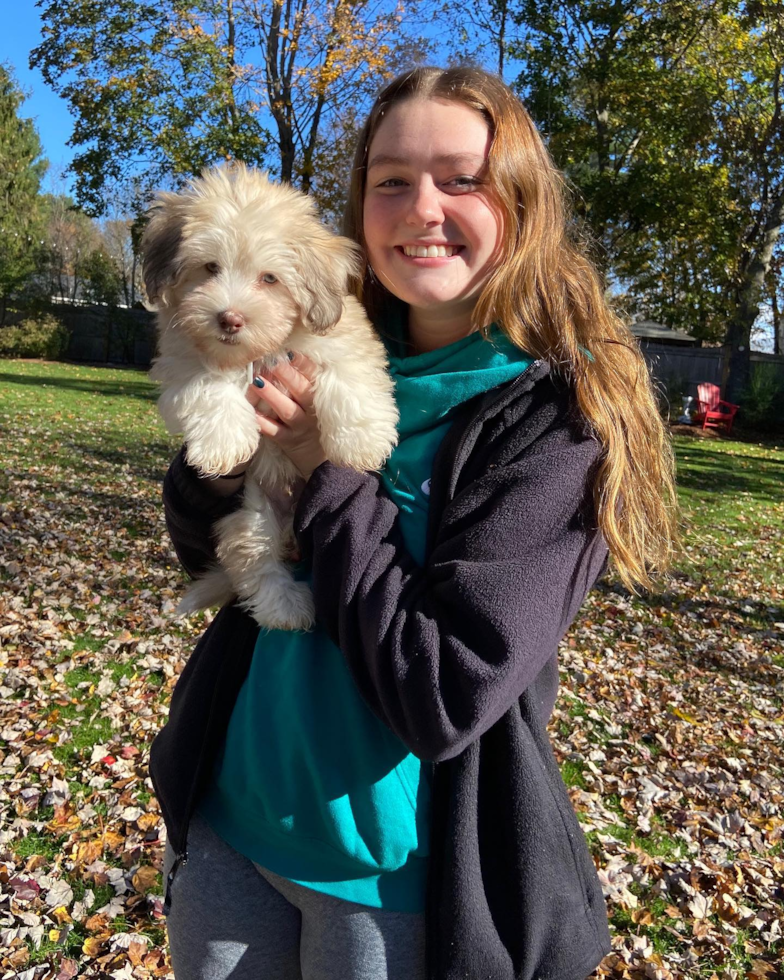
231 322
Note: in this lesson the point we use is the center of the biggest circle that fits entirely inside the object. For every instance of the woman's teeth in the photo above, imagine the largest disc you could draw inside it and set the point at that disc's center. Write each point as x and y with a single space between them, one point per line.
430 251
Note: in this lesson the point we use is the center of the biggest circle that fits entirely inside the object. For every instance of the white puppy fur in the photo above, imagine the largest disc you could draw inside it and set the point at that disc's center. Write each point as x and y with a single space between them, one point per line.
240 270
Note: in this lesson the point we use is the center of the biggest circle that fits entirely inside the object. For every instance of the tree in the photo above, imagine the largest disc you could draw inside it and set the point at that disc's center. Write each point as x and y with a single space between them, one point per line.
69 236
121 246
169 88
613 88
484 33
101 277
747 48
668 121
21 170
774 285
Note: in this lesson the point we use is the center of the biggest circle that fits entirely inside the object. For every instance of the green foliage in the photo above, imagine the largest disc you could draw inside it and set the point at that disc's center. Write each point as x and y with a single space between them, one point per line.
763 400
148 83
102 280
21 170
665 120
612 86
43 337
166 89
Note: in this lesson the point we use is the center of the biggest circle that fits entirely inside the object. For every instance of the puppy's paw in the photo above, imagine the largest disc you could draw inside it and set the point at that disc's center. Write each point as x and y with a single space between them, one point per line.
290 607
222 451
367 447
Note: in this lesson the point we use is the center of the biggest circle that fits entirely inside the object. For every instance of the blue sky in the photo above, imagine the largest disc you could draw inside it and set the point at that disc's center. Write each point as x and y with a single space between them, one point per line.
21 32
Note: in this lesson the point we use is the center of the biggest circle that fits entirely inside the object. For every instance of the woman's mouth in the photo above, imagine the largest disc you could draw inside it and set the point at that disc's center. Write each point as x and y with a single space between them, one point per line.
429 251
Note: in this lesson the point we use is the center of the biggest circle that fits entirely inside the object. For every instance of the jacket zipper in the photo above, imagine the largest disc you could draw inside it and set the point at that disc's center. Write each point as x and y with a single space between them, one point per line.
501 396
179 860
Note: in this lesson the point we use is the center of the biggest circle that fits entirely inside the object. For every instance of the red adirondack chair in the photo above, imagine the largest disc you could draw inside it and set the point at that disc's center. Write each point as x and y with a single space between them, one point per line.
712 411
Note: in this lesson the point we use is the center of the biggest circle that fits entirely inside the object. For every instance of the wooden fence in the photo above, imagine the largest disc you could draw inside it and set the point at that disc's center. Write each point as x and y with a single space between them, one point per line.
123 336
108 336
680 369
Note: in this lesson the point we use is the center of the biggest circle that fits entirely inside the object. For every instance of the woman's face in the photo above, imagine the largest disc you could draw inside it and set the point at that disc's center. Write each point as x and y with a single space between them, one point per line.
431 223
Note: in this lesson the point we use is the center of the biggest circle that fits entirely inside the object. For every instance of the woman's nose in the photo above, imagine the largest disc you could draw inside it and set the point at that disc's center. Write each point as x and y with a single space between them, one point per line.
425 206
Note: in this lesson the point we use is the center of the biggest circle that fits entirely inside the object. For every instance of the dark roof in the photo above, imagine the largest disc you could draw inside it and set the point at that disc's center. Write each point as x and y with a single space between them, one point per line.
649 330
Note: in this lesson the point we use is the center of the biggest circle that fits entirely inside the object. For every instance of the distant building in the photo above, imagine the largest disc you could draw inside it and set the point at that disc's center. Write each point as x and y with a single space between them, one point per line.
656 333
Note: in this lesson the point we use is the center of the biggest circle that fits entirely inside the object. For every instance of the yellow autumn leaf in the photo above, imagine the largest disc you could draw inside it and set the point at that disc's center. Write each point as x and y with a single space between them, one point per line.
91 947
683 716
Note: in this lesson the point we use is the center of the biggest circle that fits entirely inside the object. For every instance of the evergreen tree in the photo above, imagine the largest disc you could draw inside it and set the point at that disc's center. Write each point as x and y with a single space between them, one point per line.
21 170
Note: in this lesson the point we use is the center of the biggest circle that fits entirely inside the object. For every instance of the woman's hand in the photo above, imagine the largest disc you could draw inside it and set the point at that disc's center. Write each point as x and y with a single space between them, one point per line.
293 426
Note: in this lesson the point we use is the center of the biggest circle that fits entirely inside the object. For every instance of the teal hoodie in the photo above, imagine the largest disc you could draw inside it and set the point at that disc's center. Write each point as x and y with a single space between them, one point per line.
310 784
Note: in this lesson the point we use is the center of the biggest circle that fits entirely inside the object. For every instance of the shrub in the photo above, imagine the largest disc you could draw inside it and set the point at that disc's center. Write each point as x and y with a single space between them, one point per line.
43 336
763 399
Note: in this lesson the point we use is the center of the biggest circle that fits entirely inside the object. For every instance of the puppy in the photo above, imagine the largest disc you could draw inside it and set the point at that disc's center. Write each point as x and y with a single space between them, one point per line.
239 271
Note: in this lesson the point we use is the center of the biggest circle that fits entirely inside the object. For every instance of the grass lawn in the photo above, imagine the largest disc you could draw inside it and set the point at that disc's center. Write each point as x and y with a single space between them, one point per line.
669 727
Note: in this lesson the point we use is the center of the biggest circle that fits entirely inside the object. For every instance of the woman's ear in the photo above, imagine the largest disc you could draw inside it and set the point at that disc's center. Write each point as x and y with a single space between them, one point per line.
325 265
160 246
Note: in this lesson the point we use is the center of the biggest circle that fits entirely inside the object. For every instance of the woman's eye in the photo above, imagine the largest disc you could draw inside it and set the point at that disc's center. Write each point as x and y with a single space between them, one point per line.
391 182
213 268
268 277
465 182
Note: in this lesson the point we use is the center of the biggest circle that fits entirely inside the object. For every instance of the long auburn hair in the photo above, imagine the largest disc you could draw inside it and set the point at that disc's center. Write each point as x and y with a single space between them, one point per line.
547 297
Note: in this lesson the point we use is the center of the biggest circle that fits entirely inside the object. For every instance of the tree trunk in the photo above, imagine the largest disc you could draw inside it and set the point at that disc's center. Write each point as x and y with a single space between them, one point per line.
748 297
232 119
503 11
279 89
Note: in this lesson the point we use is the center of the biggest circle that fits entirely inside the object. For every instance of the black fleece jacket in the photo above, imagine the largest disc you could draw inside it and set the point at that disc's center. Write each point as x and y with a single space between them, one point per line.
457 657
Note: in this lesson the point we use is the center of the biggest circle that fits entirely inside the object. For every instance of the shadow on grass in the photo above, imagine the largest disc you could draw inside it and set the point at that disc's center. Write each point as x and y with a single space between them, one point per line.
744 609
147 460
771 440
765 460
75 505
724 475
129 389
721 602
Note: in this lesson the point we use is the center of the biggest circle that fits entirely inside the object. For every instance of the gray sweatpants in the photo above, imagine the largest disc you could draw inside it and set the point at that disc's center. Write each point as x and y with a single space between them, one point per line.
231 918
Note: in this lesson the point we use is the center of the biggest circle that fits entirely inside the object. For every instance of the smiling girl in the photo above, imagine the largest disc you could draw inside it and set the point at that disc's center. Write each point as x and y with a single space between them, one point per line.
378 799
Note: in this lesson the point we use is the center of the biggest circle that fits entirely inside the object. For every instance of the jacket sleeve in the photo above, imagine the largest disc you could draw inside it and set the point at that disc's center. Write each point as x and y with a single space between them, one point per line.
440 653
191 511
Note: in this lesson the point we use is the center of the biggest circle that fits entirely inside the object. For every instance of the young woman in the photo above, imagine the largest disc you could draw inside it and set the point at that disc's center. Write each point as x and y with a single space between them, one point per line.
378 799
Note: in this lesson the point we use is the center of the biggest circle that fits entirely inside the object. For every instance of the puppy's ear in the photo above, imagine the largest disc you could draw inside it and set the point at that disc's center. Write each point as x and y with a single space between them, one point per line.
326 263
160 245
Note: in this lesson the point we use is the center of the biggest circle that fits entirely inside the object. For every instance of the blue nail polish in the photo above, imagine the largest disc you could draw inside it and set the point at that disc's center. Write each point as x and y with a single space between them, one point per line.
290 355
259 382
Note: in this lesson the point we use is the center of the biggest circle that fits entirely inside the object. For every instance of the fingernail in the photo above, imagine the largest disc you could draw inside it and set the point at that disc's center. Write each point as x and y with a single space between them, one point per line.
290 355
259 382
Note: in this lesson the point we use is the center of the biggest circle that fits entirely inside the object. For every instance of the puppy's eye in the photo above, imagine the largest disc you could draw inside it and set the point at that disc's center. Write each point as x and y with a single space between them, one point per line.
268 277
213 268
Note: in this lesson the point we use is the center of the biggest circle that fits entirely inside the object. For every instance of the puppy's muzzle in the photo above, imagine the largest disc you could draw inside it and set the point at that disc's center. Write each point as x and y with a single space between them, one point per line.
231 322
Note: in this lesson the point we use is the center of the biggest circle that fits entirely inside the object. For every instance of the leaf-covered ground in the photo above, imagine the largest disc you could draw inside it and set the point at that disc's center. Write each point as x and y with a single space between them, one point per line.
669 726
